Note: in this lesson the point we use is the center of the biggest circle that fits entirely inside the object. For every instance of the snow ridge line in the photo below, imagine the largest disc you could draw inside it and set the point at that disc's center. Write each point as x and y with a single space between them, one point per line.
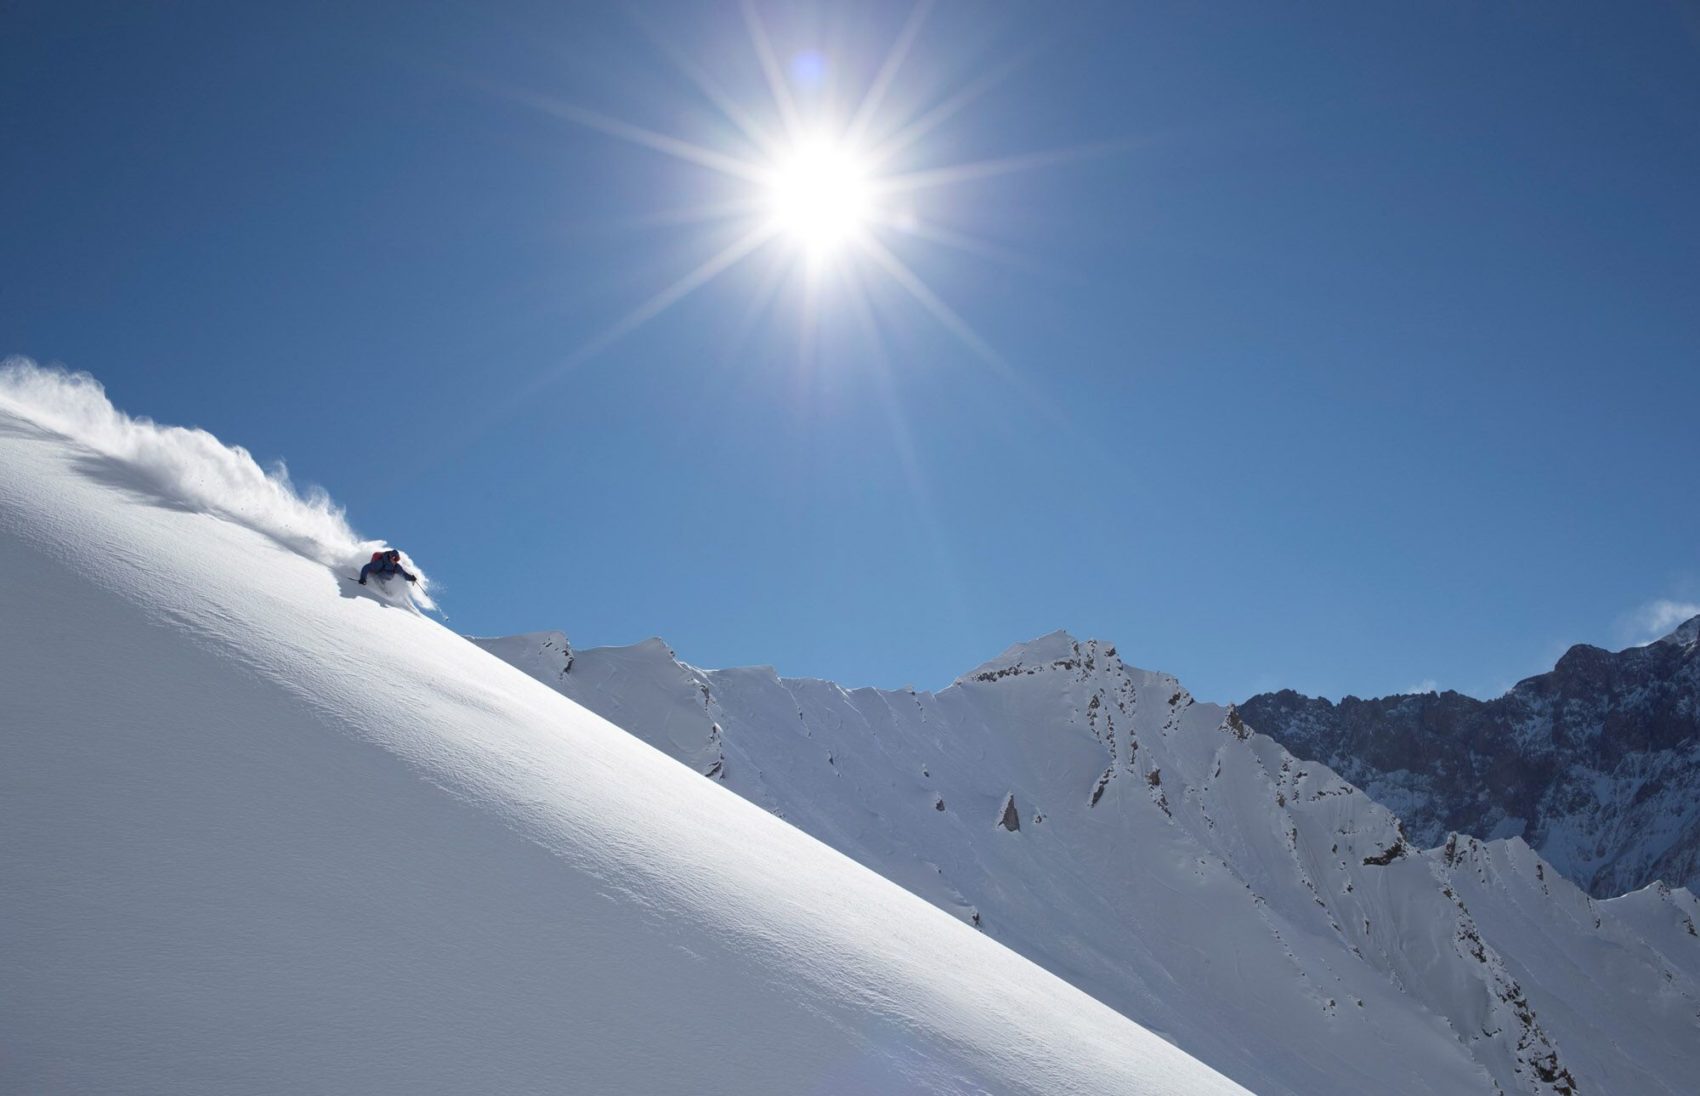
187 467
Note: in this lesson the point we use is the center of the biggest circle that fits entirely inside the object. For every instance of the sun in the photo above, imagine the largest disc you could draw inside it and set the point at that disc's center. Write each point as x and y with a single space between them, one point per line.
820 196
821 184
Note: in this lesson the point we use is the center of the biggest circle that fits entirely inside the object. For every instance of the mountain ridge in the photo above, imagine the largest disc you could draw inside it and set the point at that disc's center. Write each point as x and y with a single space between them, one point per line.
1597 761
1100 820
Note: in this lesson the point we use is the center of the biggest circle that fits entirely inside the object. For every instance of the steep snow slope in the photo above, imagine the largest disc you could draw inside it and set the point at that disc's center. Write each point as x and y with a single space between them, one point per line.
1596 764
1582 966
264 832
1257 909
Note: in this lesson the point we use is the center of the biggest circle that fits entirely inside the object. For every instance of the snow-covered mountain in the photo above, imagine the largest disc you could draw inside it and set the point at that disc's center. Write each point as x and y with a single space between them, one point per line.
1596 764
1256 909
265 831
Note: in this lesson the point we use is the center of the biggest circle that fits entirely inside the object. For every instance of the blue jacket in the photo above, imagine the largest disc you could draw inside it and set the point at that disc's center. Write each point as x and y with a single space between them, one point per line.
384 568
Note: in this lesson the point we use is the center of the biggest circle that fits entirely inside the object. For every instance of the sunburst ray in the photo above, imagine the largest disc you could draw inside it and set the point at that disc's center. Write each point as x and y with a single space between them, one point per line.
909 133
776 83
761 139
894 59
648 138
987 169
947 318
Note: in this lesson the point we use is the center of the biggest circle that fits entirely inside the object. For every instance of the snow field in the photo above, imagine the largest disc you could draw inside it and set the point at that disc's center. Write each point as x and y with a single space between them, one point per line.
264 833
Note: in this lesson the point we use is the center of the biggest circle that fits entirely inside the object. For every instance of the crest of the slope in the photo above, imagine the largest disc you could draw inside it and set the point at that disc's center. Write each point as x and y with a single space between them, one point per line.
184 467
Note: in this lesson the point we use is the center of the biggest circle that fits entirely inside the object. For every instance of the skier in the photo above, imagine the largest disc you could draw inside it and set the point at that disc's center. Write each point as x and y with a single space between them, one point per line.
385 564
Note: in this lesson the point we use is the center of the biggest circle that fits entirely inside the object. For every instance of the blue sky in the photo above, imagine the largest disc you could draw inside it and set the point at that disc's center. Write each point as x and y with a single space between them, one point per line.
1346 348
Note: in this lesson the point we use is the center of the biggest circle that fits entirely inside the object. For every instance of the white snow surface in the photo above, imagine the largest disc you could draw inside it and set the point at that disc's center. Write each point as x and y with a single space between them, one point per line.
263 832
1256 909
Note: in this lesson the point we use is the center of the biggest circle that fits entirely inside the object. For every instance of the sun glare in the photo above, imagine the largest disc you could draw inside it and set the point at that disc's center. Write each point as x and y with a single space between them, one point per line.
818 186
820 197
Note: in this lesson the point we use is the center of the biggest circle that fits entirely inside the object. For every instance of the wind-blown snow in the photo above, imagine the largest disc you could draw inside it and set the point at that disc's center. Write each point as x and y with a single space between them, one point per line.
189 468
263 833
1653 621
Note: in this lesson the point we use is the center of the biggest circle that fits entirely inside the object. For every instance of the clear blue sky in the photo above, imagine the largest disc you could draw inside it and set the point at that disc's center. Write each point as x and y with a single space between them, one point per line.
1349 347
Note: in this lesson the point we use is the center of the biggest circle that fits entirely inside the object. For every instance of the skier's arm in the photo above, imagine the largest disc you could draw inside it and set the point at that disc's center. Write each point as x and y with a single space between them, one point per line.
366 570
405 574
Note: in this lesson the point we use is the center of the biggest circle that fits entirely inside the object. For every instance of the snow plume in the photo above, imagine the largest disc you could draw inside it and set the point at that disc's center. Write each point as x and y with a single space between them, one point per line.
189 468
1657 619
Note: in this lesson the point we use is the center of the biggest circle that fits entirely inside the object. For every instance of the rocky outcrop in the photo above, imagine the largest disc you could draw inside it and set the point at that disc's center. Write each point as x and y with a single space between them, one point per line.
1596 764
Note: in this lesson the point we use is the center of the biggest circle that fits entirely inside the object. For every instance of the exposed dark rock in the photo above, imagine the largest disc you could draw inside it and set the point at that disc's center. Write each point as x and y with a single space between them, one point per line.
1387 856
1008 818
1158 796
1103 782
1532 762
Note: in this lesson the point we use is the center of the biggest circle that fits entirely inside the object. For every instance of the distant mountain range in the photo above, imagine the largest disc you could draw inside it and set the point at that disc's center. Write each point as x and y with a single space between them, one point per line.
1595 764
1254 908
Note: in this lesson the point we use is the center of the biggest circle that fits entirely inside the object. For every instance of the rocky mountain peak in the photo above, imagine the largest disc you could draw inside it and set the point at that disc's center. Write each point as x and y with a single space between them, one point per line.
1056 651
1687 634
1596 763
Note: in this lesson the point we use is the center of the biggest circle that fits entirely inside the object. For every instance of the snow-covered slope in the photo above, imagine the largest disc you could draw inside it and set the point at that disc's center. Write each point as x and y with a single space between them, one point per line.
1257 909
264 832
1596 764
